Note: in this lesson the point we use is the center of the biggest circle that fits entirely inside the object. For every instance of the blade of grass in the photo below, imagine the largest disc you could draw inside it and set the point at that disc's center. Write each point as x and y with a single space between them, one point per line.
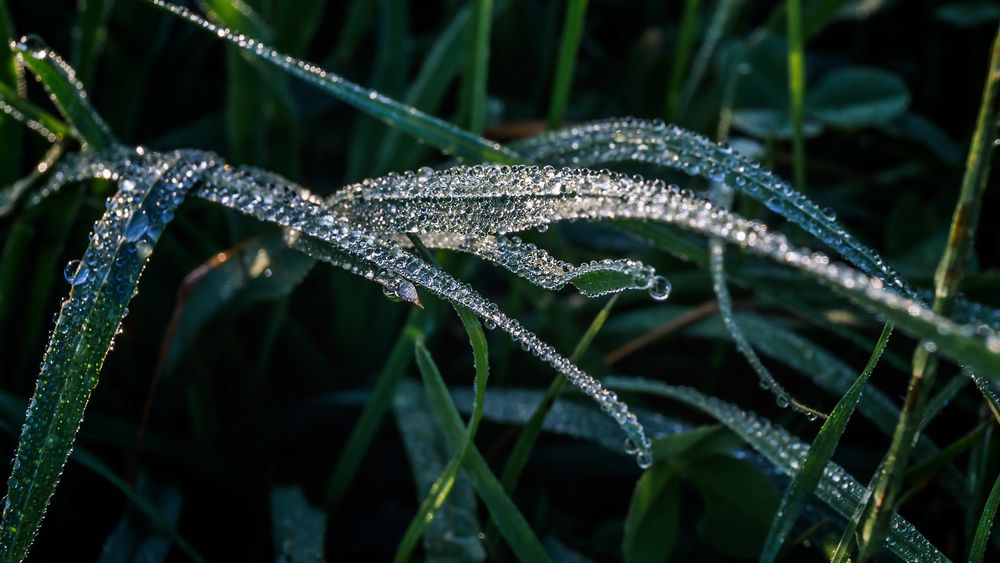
682 52
797 90
446 481
371 417
526 440
510 521
38 120
572 31
528 437
473 92
950 271
89 35
67 93
804 483
434 131
94 464
87 324
978 549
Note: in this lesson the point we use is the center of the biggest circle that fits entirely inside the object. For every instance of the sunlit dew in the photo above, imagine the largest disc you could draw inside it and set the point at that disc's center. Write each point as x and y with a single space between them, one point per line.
76 272
473 209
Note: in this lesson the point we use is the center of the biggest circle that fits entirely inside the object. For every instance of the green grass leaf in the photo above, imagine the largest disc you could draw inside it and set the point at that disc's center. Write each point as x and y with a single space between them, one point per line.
511 523
59 79
569 44
985 526
477 65
442 487
800 490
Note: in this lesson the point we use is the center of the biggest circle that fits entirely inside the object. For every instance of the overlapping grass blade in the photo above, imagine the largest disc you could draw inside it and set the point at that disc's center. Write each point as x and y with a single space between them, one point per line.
569 44
446 137
978 549
12 408
442 487
454 531
805 480
518 457
104 281
836 487
515 529
60 80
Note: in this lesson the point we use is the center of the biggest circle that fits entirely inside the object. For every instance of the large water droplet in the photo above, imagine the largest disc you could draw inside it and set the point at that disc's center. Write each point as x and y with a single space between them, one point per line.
76 272
659 289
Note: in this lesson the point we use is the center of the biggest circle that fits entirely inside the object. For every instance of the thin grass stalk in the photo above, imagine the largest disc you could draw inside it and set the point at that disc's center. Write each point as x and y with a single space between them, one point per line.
566 61
947 277
689 19
477 68
797 90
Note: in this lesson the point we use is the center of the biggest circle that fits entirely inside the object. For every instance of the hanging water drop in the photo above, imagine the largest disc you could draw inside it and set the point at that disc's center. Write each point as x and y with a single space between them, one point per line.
782 401
659 289
630 447
76 272
645 460
830 213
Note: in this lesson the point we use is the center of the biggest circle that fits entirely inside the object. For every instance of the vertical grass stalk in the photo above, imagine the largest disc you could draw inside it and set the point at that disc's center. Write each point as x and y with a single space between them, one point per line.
685 41
477 68
797 90
566 62
949 273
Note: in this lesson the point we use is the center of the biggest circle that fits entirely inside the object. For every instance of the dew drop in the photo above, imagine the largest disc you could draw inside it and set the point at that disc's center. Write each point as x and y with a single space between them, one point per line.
659 289
76 272
830 213
645 460
781 401
630 447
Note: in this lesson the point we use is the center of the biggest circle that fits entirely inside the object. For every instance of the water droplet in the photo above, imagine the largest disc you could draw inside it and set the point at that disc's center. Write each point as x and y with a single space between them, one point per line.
830 213
659 289
76 272
645 460
781 401
630 447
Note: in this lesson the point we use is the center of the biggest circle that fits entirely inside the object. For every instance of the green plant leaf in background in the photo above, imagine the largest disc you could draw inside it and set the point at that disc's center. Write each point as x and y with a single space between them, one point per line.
858 97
